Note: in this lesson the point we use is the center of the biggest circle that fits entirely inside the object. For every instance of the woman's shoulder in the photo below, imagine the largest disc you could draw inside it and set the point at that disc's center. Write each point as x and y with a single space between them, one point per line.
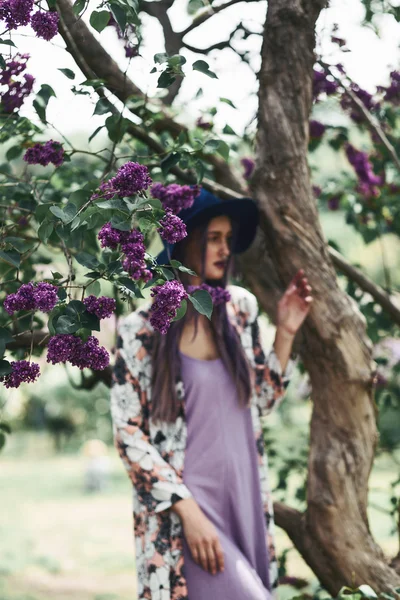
137 322
244 300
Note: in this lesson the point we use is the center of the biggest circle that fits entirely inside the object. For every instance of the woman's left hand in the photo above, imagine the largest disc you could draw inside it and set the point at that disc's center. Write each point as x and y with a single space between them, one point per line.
295 304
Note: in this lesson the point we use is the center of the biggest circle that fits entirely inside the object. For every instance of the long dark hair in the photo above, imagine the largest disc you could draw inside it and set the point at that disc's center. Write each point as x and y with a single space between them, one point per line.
166 362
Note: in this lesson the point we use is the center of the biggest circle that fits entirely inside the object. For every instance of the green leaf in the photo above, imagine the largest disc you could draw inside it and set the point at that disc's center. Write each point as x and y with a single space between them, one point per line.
181 311
14 152
186 270
166 79
68 73
2 440
175 263
99 19
58 212
5 427
228 130
45 230
66 324
2 62
144 224
227 101
95 132
5 368
161 58
5 335
79 6
120 222
8 43
19 244
176 61
203 67
168 274
119 15
62 293
94 288
199 167
202 302
11 257
102 107
87 260
116 127
212 144
114 203
131 286
42 100
90 321
170 161
223 150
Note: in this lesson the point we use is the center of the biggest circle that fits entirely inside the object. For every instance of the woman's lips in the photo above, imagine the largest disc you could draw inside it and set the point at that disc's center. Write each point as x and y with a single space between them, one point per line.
220 265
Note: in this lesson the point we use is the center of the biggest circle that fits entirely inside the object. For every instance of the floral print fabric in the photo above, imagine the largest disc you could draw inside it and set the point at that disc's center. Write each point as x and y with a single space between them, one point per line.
153 453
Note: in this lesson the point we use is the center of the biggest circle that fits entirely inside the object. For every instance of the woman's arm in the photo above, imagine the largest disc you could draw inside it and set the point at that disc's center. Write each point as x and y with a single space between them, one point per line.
157 484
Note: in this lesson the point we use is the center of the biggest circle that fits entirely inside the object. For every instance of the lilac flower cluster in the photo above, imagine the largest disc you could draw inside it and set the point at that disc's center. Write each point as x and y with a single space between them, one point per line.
366 98
42 297
44 154
174 196
68 347
334 202
248 165
392 93
45 24
172 229
368 181
102 307
168 298
218 294
17 13
132 178
132 245
321 84
317 129
14 96
22 371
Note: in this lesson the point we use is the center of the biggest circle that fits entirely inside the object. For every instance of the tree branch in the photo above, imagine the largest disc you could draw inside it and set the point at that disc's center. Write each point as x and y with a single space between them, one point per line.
208 13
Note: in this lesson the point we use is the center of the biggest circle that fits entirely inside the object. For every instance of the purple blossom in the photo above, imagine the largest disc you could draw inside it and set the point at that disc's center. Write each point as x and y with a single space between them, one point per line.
203 124
172 229
61 347
23 299
334 202
22 371
13 97
46 297
317 191
321 84
174 196
168 298
134 250
16 12
339 41
41 297
131 179
89 354
110 237
14 67
362 166
44 154
392 93
45 24
317 129
102 307
218 294
106 192
248 164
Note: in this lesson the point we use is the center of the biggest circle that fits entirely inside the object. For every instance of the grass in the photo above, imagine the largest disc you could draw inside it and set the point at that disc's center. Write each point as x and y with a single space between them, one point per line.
58 542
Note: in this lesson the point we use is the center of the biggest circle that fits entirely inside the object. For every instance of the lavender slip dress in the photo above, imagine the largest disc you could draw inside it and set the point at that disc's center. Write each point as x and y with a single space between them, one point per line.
221 473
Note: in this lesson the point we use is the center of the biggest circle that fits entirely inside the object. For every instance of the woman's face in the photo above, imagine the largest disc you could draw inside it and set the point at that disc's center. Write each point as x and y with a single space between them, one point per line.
219 238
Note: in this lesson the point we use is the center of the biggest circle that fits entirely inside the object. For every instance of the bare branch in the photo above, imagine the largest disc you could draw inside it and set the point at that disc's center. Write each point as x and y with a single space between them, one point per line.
208 13
380 296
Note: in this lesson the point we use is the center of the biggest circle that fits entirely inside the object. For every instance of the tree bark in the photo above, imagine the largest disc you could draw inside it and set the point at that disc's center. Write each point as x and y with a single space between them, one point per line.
333 534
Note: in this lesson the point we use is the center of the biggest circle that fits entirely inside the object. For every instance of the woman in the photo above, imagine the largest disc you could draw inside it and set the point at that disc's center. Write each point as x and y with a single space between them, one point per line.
193 398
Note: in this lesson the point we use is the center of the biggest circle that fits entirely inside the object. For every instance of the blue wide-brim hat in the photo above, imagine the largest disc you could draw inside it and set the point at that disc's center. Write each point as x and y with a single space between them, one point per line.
206 206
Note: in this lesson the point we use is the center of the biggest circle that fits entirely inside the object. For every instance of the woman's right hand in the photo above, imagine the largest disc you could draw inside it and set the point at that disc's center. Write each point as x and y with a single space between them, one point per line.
201 536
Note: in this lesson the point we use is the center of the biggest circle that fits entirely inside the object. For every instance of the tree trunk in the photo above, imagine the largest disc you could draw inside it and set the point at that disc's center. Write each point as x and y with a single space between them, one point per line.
333 534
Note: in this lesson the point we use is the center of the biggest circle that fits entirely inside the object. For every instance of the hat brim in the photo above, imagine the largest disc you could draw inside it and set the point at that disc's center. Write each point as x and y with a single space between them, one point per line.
243 211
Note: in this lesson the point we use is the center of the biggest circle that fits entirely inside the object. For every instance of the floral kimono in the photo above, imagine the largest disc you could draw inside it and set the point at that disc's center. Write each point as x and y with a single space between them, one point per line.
153 453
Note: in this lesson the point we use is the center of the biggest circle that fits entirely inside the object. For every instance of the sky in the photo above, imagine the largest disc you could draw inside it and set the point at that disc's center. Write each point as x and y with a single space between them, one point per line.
368 62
